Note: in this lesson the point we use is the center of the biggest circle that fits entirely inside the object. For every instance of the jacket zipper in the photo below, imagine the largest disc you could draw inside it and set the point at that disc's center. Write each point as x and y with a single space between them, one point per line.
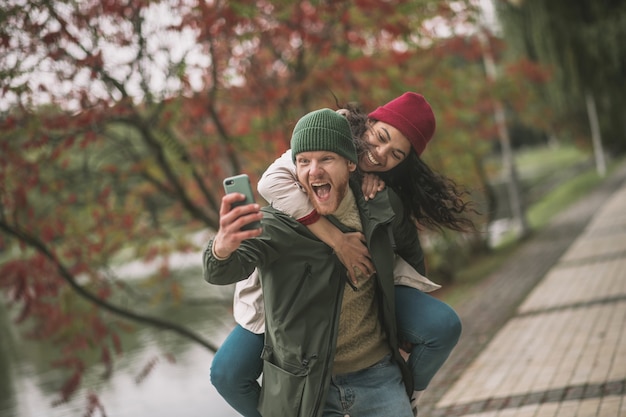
331 341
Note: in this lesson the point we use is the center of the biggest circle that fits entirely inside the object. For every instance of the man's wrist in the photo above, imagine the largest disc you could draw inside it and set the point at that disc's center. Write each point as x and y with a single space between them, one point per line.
217 255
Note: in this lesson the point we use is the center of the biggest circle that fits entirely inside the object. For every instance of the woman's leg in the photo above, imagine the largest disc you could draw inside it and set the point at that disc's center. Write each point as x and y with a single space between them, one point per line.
235 369
431 327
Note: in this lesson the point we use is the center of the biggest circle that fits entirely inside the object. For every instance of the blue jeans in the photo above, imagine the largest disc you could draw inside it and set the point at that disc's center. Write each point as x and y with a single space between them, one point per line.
431 327
236 368
428 324
371 392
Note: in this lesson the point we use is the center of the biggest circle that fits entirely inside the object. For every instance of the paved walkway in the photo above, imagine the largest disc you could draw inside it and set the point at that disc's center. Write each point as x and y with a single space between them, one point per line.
545 336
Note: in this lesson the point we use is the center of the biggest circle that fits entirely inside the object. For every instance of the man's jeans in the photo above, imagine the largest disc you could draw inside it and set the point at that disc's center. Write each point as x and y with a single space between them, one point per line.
371 392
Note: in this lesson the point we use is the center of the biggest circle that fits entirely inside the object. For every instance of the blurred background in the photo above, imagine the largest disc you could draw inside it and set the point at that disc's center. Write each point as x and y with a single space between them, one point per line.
120 118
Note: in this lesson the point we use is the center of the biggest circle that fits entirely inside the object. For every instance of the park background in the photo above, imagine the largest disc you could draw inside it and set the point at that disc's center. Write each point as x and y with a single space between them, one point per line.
119 119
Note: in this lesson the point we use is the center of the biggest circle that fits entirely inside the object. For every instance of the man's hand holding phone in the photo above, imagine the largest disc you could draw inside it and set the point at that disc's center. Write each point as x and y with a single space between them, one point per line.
240 217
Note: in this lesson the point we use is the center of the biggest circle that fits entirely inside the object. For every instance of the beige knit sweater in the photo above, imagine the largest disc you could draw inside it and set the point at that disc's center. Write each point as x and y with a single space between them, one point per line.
361 341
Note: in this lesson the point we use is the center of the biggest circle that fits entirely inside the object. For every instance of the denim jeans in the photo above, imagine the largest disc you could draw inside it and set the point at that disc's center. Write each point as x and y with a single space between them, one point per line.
428 324
235 369
432 328
371 392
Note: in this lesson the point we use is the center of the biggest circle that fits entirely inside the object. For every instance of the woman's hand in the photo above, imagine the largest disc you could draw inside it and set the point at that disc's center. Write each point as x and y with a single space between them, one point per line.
371 185
353 254
350 248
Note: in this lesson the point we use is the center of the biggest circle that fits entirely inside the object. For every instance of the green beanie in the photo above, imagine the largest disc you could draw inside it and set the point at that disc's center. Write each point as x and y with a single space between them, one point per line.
323 130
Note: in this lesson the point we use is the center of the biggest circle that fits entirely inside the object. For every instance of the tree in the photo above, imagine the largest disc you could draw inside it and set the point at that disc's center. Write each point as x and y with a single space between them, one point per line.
581 44
121 118
508 160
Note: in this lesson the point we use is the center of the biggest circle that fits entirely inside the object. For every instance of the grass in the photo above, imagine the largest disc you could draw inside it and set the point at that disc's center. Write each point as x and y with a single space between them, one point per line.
538 216
535 163
532 162
540 213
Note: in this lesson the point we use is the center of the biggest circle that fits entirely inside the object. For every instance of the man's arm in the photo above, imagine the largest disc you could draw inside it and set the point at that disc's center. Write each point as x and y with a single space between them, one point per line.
225 271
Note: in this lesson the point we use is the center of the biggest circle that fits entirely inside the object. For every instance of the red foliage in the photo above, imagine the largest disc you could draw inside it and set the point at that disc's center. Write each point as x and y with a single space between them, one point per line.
94 405
69 388
72 384
146 370
117 343
529 70
462 46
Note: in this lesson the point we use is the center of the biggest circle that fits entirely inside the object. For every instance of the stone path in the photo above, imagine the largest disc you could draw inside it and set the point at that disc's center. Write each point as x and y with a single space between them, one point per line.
545 335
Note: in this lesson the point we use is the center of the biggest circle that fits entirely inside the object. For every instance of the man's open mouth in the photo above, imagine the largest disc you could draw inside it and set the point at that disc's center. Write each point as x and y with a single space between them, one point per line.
321 190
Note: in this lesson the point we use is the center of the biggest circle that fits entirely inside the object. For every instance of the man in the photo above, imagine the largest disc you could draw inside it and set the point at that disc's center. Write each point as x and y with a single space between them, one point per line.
330 349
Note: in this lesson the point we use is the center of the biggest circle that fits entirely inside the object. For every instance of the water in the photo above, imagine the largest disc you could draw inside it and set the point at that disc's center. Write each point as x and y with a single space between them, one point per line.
29 385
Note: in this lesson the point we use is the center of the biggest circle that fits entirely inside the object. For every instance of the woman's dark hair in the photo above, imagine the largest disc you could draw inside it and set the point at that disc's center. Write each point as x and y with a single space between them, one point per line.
431 199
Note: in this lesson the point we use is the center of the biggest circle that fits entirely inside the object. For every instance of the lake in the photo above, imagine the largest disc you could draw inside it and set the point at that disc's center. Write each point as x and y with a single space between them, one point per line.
29 385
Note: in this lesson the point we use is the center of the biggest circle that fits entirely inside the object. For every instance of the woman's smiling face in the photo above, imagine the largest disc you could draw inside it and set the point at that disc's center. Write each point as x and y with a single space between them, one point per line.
386 148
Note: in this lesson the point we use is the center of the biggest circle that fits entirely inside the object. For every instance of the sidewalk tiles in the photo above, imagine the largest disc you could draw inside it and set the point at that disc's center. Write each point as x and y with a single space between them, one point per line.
564 353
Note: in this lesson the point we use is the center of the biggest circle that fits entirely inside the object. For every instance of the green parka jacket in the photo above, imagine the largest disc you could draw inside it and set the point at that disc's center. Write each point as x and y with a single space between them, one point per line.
303 284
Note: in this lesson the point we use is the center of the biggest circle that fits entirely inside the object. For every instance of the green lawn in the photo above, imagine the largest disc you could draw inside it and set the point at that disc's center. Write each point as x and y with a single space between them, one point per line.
540 213
536 162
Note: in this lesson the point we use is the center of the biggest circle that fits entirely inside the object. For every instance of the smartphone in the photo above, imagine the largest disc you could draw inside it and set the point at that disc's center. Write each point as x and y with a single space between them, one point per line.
241 184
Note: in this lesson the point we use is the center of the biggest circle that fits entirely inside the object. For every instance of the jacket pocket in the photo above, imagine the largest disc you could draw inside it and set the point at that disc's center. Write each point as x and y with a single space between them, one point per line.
281 391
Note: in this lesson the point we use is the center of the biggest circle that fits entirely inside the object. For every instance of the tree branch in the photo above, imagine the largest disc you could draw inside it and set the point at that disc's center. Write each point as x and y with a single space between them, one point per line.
155 322
178 189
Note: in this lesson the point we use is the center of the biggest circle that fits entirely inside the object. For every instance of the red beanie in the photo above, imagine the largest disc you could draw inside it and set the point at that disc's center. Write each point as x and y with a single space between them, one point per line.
410 114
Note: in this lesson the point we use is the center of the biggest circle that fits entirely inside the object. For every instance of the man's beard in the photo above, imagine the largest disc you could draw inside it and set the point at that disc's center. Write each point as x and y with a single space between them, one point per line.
332 204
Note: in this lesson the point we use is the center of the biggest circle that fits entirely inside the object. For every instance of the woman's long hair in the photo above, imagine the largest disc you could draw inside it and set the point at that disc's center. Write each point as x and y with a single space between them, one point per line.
431 199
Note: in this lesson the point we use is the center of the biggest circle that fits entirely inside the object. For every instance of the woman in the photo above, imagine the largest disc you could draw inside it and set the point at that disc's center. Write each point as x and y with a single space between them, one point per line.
389 141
